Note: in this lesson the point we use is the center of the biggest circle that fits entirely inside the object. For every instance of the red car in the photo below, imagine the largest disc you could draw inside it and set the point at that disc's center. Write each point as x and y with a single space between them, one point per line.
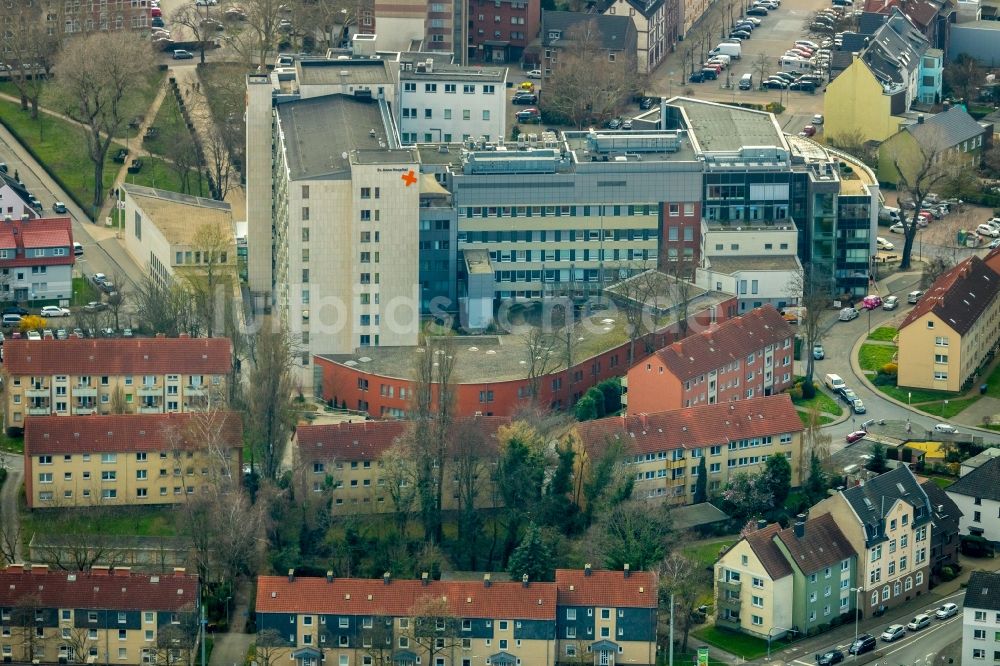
809 130
855 436
155 11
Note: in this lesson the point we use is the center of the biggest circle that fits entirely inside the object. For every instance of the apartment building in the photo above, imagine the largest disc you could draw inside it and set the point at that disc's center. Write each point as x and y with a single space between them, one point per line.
128 460
345 460
981 619
977 496
460 622
500 33
104 376
98 616
953 330
616 37
443 103
667 450
656 33
945 541
14 199
748 356
888 521
36 257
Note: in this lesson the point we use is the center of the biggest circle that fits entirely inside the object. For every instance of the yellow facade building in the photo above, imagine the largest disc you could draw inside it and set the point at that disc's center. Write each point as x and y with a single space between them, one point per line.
128 460
946 338
104 376
101 616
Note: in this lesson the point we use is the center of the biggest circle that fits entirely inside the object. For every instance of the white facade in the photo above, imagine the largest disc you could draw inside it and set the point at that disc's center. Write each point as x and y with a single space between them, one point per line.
40 283
651 34
979 516
12 204
452 105
980 632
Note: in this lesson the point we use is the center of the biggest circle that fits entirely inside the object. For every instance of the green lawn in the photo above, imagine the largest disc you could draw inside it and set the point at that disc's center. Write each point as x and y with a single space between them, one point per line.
914 395
951 409
821 420
708 553
820 402
84 292
993 383
11 444
884 333
873 357
741 645
687 657
942 482
160 174
107 521
169 122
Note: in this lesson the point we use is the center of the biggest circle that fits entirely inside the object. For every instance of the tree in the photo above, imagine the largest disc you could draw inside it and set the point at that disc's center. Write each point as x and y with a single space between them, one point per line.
79 645
470 467
94 74
25 38
683 578
877 463
202 21
701 483
210 281
585 408
532 557
814 289
747 498
175 642
116 299
852 141
586 86
270 648
777 477
376 642
816 449
32 323
520 474
963 75
268 398
815 485
435 628
991 159
762 67
558 509
635 533
165 308
934 267
119 404
543 357
182 154
261 27
27 618
396 464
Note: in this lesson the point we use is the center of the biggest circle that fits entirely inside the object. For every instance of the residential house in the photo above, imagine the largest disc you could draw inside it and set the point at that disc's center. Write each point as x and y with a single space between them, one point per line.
932 18
754 585
746 357
655 35
951 332
824 567
88 376
605 617
501 33
96 616
175 234
888 521
345 460
129 460
665 450
872 97
14 199
952 135
344 620
981 618
977 495
946 527
36 257
980 458
615 34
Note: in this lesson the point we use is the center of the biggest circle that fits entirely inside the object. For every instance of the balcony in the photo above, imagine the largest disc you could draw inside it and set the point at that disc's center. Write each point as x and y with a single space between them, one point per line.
39 411
37 392
193 390
729 600
728 585
154 409
150 390
84 391
83 411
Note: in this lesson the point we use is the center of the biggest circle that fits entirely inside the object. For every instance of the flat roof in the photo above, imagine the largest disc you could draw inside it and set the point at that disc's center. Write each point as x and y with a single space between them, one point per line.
349 71
724 128
580 142
486 73
322 132
730 265
180 216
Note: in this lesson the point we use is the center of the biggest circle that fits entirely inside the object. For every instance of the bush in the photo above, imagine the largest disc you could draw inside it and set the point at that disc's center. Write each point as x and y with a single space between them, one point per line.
796 393
890 369
947 573
808 390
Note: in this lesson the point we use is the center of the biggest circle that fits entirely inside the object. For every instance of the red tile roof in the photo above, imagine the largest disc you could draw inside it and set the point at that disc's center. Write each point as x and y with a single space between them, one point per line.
694 427
136 356
730 341
367 440
130 432
38 233
98 589
357 596
958 297
993 260
773 560
608 589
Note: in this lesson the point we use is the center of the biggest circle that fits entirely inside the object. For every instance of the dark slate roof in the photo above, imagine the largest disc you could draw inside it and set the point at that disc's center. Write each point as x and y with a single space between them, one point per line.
983 592
695 515
840 61
873 499
821 545
854 41
614 29
870 22
947 129
646 7
960 296
19 189
946 512
895 50
770 556
984 481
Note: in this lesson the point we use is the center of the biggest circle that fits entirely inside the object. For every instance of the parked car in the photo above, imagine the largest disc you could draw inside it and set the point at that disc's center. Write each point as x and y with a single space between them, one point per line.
157 22
914 296
614 123
524 98
994 244
181 54
817 119
988 230
98 278
919 622
696 77
863 643
858 406
890 303
54 311
127 333
847 394
855 436
34 335
62 334
59 207
757 11
808 130
849 313
646 103
884 244
818 352
626 124
871 301
830 657
534 74
804 86
946 428
807 43
945 611
95 306
108 287
893 632
775 84
15 309
12 320
77 249
529 116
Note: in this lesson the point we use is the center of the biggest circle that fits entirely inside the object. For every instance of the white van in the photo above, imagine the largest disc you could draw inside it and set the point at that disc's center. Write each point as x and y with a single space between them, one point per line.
731 50
834 382
795 64
889 213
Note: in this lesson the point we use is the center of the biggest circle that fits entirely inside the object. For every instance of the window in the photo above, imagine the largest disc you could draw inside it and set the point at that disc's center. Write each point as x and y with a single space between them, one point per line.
757 601
757 620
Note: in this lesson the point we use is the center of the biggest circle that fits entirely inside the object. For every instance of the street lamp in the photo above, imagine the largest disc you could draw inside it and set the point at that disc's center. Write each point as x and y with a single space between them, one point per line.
857 594
794 631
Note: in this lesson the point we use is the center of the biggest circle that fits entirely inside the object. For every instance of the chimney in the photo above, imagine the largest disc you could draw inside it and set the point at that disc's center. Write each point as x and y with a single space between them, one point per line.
329 576
15 568
291 575
920 119
487 580
41 568
99 571
586 569
121 571
386 578
800 527
761 523
947 105
25 218
424 579
524 580
180 571
801 517
627 572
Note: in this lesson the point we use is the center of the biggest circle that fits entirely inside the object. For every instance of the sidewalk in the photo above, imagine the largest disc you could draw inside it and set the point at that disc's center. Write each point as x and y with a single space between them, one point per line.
231 648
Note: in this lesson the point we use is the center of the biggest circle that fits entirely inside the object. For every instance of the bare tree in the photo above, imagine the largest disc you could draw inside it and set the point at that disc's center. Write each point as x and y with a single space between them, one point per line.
762 65
28 48
964 75
852 141
934 268
175 643
814 287
267 398
543 358
203 22
117 298
471 461
27 618
682 580
435 628
79 645
263 18
397 467
211 279
586 85
376 641
119 404
10 540
269 648
94 74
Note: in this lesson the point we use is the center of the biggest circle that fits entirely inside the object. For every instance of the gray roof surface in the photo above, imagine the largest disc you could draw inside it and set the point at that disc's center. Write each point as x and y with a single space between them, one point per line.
869 23
614 29
871 500
485 74
723 128
984 482
946 512
983 591
981 458
336 72
952 126
822 544
854 41
694 515
895 50
730 265
19 189
320 130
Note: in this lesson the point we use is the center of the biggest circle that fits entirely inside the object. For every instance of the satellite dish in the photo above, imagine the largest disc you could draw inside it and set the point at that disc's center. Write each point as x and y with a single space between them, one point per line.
343 155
